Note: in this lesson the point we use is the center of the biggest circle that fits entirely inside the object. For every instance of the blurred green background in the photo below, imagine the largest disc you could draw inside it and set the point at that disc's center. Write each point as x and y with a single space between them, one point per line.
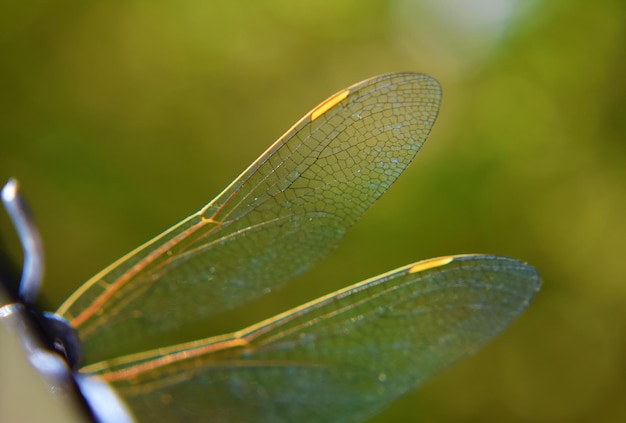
120 118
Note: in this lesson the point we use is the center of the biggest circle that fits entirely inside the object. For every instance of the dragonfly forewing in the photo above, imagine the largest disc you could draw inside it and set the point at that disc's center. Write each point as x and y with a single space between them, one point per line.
286 211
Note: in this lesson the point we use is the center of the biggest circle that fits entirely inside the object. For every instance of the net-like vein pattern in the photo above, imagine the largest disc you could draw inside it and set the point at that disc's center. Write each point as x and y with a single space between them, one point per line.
341 358
286 211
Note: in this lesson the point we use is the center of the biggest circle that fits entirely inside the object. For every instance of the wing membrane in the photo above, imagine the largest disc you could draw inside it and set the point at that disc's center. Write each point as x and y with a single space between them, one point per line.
340 358
285 212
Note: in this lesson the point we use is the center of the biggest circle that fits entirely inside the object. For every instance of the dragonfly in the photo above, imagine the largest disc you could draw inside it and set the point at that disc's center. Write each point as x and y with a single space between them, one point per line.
342 357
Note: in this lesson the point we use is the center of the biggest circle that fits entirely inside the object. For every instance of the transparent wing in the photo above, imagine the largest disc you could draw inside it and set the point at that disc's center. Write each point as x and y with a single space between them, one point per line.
285 212
340 358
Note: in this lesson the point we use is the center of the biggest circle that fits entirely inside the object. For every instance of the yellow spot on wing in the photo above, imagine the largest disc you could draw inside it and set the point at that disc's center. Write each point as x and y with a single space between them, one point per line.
431 263
329 104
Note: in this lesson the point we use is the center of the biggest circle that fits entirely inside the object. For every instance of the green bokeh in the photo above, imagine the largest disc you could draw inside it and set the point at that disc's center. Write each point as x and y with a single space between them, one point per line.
121 118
